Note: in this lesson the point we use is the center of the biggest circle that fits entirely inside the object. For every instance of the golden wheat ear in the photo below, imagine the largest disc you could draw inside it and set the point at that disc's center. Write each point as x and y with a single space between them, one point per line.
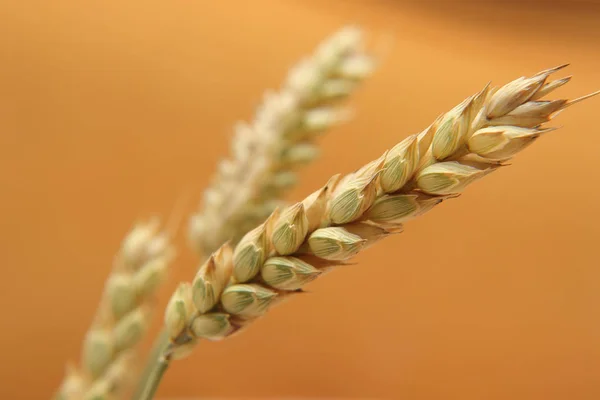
350 213
267 151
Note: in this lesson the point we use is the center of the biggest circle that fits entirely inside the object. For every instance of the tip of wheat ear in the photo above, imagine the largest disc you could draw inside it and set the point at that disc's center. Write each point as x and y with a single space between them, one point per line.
351 213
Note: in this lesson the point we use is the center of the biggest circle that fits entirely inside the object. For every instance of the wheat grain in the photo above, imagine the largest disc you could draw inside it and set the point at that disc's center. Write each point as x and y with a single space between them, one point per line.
353 212
108 350
281 137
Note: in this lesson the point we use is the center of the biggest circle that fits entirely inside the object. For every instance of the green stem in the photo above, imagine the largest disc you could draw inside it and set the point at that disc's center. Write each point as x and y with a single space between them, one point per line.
155 369
156 366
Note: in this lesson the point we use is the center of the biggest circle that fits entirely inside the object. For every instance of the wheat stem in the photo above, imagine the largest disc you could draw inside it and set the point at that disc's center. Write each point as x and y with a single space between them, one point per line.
149 376
154 377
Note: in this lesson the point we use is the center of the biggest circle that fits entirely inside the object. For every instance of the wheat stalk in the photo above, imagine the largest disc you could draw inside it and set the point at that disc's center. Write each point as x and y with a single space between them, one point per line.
122 317
237 285
266 151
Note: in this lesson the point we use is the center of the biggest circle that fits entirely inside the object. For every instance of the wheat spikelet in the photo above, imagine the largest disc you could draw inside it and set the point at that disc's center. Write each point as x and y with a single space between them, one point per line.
350 213
266 151
122 316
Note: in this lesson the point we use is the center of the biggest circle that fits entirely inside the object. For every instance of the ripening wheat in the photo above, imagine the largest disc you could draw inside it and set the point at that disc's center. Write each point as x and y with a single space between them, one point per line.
293 247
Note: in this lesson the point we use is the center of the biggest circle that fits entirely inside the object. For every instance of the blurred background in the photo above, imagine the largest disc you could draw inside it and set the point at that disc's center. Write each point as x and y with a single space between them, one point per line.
112 111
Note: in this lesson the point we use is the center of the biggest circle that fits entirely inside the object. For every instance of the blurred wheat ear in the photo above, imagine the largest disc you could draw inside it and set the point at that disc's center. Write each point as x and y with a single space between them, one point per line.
267 150
109 348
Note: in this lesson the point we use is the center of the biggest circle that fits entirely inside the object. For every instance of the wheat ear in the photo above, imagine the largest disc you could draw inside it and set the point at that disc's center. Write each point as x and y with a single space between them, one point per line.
122 317
266 151
237 285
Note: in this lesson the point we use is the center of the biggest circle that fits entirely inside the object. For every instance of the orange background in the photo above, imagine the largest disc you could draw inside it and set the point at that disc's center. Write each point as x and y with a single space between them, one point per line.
112 111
